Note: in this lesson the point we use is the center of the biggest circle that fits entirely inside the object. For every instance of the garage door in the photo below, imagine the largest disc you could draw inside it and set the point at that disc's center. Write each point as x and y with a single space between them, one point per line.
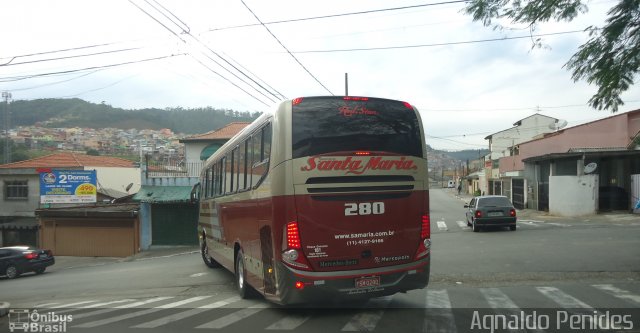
90 238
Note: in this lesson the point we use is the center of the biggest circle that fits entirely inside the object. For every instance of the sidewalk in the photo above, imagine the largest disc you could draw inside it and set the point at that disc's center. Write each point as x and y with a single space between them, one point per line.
68 262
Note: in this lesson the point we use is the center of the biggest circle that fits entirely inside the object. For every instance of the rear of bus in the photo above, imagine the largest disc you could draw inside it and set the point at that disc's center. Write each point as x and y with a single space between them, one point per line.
361 227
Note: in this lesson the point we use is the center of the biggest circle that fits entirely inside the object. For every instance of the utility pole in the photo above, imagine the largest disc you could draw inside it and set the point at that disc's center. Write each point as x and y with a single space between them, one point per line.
7 146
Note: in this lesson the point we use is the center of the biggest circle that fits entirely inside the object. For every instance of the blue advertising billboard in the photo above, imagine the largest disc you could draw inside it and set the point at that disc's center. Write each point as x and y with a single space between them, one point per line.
68 186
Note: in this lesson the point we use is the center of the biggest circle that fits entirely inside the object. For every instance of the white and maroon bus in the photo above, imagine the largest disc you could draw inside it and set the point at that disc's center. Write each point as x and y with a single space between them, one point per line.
327 197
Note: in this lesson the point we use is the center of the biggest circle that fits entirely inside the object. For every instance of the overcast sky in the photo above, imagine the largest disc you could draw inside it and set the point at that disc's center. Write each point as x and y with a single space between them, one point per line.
160 53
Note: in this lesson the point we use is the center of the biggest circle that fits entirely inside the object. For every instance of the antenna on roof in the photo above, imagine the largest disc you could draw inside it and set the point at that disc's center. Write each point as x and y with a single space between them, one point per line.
558 125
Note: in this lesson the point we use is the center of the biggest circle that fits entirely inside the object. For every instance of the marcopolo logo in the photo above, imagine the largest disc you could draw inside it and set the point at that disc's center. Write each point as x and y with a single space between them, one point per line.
32 321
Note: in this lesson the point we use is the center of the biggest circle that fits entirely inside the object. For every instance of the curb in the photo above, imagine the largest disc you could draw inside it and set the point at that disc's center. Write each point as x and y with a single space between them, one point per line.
4 308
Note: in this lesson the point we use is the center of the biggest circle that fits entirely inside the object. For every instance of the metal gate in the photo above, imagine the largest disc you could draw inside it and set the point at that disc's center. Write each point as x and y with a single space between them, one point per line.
174 224
543 196
517 186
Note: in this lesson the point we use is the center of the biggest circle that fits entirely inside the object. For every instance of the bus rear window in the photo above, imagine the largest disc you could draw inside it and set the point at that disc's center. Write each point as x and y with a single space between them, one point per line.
322 125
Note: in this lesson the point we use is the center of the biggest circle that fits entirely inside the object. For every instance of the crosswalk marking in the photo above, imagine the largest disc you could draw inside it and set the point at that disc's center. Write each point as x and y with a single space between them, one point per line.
235 317
96 305
45 305
497 299
186 314
290 322
140 313
565 300
619 293
438 316
127 306
367 320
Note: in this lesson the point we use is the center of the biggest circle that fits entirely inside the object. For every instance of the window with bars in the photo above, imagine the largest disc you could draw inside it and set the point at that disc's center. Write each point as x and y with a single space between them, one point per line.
16 190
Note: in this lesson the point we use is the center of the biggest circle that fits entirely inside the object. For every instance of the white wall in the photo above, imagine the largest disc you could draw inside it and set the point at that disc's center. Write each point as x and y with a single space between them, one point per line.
193 150
118 178
573 195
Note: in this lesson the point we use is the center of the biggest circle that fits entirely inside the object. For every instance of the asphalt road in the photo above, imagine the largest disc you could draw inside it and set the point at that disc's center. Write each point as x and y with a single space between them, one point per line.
545 266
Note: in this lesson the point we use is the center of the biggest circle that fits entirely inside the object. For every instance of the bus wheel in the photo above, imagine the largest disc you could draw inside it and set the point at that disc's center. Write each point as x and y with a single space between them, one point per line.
206 257
241 276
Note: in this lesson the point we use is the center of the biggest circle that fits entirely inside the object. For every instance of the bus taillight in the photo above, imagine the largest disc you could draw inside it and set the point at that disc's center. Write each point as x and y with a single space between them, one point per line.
292 255
425 238
293 235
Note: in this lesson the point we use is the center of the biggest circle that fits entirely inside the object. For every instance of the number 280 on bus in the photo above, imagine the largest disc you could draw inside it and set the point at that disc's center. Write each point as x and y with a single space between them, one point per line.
323 198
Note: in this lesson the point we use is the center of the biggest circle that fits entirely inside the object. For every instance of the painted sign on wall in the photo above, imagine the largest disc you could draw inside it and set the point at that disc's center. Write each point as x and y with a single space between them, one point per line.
68 186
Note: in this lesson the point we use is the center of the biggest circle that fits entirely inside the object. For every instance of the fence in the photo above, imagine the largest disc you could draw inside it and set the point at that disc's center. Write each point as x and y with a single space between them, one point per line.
173 168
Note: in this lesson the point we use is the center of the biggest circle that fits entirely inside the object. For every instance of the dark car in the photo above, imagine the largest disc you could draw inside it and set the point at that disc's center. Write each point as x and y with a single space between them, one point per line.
490 210
16 260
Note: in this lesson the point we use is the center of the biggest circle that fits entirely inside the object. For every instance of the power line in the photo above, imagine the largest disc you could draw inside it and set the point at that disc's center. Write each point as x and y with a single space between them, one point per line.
286 49
186 32
57 82
339 15
24 77
54 51
69 57
437 44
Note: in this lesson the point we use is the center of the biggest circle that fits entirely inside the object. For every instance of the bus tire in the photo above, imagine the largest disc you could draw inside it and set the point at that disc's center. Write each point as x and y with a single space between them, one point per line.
244 290
206 257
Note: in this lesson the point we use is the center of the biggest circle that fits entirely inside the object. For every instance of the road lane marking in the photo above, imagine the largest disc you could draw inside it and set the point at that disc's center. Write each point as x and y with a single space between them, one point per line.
367 320
198 275
140 313
46 305
462 224
438 315
442 226
619 293
187 314
235 317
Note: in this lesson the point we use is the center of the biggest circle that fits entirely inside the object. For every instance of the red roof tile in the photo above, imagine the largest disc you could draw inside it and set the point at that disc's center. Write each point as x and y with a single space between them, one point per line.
226 132
65 160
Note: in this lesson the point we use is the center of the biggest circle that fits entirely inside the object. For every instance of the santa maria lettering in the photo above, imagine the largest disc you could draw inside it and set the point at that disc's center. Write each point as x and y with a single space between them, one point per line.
358 166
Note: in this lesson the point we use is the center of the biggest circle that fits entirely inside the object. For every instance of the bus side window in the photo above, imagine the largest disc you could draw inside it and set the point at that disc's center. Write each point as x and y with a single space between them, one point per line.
261 151
223 173
234 170
242 167
212 192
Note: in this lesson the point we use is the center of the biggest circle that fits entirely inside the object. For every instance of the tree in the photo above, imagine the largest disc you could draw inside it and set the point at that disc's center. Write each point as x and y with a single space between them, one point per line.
93 152
610 59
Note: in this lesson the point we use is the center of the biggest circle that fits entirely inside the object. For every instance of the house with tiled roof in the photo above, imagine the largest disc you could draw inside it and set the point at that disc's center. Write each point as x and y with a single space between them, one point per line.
20 181
200 146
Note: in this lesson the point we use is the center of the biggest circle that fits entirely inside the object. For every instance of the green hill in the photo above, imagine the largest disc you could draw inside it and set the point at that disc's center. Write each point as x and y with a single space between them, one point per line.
79 113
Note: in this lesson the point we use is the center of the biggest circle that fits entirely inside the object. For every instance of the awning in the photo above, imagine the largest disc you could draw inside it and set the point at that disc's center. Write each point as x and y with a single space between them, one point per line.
163 194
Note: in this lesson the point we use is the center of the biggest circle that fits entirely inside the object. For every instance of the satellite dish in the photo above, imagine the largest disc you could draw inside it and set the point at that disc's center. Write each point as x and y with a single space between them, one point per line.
590 168
128 187
558 125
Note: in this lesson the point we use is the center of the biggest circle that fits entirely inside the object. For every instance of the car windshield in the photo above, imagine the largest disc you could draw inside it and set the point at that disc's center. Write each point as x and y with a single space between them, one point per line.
494 202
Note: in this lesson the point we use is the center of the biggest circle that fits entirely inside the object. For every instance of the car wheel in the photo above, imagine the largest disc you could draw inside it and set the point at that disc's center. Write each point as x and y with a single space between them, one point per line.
475 227
12 272
512 227
40 270
241 277
206 257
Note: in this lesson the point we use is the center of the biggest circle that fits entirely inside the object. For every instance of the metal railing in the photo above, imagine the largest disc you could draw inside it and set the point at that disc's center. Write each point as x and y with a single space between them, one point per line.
173 168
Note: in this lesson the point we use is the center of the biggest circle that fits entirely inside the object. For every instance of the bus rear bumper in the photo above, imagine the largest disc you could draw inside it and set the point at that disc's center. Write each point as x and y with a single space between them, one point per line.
322 287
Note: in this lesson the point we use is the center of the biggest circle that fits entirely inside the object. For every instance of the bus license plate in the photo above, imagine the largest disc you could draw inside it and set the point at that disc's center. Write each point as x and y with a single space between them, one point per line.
369 281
